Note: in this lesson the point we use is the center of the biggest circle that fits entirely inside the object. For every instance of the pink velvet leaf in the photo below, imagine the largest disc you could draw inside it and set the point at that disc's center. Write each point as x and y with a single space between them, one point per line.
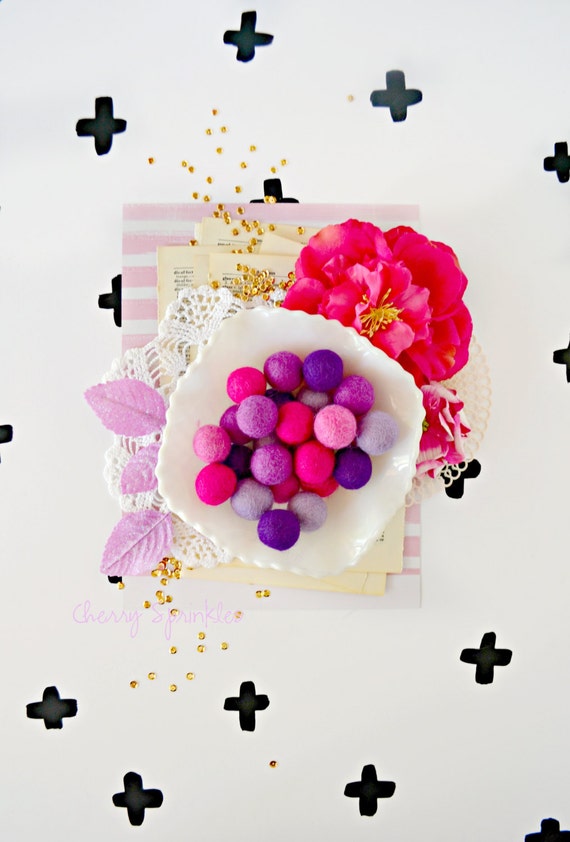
138 474
137 543
127 407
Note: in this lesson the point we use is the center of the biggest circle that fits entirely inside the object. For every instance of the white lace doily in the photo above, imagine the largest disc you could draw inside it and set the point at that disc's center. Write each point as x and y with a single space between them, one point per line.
189 323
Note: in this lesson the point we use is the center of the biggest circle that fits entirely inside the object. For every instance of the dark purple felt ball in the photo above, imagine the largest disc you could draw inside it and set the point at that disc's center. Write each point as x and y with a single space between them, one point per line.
353 468
279 529
238 460
279 398
322 370
283 371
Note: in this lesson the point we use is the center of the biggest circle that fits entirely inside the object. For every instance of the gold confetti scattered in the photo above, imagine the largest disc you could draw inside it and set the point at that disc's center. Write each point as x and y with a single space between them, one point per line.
300 230
217 214
243 165
120 585
146 604
173 688
168 598
207 198
151 676
223 129
214 111
269 200
201 636
219 150
240 210
164 581
235 232
258 594
223 645
266 593
134 684
173 650
208 131
183 163
190 169
174 612
271 226
284 162
350 98
237 188
253 148
273 763
215 284
190 676
273 169
151 160
195 195
160 597
201 648
209 179
221 207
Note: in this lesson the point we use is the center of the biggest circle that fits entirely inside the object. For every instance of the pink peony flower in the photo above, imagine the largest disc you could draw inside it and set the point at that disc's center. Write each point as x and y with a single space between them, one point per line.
444 428
399 289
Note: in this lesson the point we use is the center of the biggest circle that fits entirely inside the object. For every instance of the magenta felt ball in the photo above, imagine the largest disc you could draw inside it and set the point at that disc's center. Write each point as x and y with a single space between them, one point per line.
353 468
271 464
257 416
310 509
322 370
316 400
294 423
355 393
377 432
244 382
285 490
313 462
251 499
279 529
211 443
335 426
215 484
229 422
284 371
323 489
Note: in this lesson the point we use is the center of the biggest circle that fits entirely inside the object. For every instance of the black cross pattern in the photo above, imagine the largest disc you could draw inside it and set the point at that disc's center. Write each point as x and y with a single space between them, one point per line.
6 433
246 39
103 126
114 580
549 832
112 300
272 188
559 162
456 488
562 357
136 799
486 658
246 703
368 790
396 97
52 709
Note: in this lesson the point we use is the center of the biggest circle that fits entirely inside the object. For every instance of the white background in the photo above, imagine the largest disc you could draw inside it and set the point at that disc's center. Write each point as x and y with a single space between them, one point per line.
470 762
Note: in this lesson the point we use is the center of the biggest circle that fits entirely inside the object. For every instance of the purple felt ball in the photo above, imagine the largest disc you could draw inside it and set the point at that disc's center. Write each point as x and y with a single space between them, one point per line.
377 432
211 443
355 393
322 370
229 422
310 509
353 468
238 460
257 416
279 398
279 529
251 499
316 400
283 370
271 464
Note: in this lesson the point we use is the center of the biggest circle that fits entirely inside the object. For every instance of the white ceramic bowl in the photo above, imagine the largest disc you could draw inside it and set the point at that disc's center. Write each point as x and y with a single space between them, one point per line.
355 518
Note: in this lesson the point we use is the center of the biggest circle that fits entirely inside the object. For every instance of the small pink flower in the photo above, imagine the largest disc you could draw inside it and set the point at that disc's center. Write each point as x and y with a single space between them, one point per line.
444 430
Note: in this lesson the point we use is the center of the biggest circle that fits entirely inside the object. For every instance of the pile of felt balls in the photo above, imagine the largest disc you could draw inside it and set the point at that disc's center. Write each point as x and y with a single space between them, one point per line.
295 432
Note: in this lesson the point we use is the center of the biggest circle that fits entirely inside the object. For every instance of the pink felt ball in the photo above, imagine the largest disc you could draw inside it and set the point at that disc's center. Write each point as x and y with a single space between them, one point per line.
215 484
335 426
356 393
211 443
271 464
285 490
294 423
244 382
313 462
283 371
257 416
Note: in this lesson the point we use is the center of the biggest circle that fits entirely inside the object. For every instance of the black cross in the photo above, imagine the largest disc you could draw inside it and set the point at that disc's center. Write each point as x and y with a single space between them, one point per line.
114 580
272 187
112 300
456 488
397 98
562 357
6 433
486 658
368 790
52 709
559 162
246 39
549 832
247 703
136 799
103 126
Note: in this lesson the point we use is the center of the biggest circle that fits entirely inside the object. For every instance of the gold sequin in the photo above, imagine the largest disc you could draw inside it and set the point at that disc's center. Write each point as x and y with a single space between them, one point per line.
207 198
240 210
173 688
120 585
151 160
270 200
155 573
223 129
201 648
284 162
350 98
273 169
201 636
300 230
221 207
208 131
215 284
195 195
151 676
193 242
173 650
209 179
174 612
273 763
164 581
190 676
190 169
223 645
134 684
258 594
168 598
214 111
266 593
146 604
237 188
243 165
219 150
271 226
253 148
183 163
235 232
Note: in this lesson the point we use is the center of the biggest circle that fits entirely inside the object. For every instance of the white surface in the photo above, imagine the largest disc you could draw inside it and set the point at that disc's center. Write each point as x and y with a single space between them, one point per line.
346 689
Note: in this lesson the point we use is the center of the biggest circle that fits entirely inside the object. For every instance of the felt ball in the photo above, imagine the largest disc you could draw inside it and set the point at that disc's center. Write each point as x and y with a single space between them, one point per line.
294 423
211 443
323 489
271 464
244 382
251 499
215 484
270 439
257 416
377 432
279 529
313 462
316 400
279 398
355 393
283 370
310 509
238 460
322 370
353 468
335 426
229 422
285 490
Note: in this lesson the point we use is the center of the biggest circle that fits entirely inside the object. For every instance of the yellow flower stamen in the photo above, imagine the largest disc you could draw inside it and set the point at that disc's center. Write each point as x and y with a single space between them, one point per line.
378 318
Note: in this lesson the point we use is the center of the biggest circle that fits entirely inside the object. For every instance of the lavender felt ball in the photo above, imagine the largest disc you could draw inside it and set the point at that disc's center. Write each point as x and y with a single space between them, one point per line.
377 432
310 509
355 393
322 370
238 460
257 416
279 529
283 370
251 499
353 468
211 443
271 464
315 400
